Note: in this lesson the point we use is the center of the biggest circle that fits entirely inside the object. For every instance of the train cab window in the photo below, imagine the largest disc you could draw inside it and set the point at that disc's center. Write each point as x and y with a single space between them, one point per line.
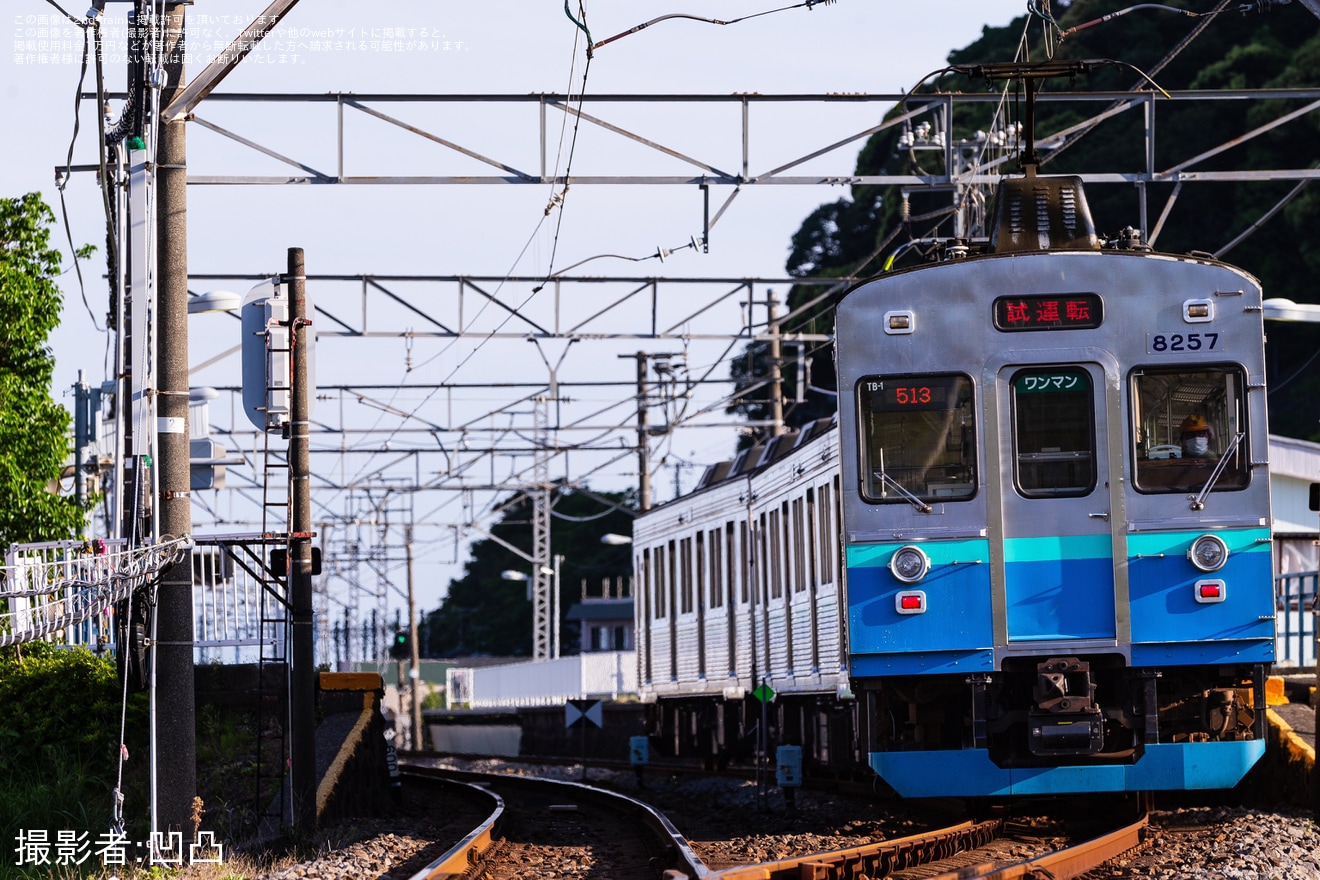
1187 422
918 438
1053 432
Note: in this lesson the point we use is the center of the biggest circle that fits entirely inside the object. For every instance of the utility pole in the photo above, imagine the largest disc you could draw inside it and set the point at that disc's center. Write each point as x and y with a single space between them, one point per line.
415 669
174 744
776 375
643 435
542 586
302 677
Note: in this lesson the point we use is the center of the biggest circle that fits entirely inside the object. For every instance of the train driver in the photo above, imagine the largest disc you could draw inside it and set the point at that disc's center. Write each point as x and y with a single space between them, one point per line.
1194 437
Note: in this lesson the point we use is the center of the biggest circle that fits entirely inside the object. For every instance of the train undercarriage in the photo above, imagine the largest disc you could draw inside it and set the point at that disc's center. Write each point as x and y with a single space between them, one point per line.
1041 713
1086 711
721 732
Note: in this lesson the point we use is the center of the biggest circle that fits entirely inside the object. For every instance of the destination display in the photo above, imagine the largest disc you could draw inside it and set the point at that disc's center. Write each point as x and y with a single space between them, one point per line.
1063 311
895 394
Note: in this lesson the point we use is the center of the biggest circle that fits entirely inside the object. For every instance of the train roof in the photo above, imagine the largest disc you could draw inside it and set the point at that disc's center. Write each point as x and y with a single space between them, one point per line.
762 455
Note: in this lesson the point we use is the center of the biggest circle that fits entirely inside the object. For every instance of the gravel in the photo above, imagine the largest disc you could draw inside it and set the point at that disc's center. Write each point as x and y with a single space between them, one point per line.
1235 843
727 823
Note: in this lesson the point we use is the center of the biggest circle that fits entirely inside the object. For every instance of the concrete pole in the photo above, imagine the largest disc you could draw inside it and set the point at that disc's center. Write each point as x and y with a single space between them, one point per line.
174 730
776 374
302 678
415 661
643 436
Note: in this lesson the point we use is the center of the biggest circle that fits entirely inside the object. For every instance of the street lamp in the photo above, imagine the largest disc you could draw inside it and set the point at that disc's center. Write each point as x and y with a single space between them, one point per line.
214 301
512 574
614 540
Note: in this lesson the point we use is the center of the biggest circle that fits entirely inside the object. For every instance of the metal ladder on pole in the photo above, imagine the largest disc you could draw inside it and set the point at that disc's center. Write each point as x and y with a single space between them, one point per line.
273 788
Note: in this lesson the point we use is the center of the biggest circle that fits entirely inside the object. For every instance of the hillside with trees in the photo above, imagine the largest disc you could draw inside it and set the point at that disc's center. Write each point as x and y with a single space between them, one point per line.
1275 49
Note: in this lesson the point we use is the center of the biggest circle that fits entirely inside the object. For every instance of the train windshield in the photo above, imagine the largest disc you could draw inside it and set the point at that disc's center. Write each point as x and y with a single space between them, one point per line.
1187 422
1053 432
918 438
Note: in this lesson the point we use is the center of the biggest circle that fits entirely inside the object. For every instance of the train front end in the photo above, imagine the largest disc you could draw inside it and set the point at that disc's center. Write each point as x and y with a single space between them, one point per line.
1056 513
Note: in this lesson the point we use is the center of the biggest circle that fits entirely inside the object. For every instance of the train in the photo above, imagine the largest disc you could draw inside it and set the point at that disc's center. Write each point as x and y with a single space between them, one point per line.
1031 555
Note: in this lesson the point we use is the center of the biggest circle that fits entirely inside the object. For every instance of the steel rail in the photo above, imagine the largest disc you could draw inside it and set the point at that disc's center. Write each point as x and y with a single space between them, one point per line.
1072 861
460 858
872 859
681 857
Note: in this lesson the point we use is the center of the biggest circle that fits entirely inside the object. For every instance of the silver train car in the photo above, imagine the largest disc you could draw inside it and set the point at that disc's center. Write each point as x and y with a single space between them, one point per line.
1056 512
1032 557
740 606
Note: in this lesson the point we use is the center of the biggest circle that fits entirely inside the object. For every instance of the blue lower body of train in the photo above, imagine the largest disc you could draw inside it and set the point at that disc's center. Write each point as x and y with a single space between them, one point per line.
1070 679
971 772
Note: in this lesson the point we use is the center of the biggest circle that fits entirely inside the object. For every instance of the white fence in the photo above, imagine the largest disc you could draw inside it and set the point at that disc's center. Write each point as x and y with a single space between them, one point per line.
1295 618
604 674
65 591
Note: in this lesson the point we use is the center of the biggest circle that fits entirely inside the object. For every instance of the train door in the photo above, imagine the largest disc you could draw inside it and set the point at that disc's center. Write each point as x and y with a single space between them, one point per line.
1058 558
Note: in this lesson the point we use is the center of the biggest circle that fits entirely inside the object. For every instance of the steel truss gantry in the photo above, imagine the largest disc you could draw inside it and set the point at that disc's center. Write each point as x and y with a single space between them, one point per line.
734 129
729 162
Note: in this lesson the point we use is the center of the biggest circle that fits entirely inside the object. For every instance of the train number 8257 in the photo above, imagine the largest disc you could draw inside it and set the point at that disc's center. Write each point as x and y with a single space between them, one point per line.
1163 343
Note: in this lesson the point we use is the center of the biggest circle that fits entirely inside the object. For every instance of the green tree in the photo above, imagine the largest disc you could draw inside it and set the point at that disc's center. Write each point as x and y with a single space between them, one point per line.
33 428
1278 49
484 614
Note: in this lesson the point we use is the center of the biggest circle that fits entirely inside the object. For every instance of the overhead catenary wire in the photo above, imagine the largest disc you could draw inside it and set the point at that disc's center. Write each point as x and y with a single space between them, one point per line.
557 201
1159 7
808 4
485 305
68 171
1164 62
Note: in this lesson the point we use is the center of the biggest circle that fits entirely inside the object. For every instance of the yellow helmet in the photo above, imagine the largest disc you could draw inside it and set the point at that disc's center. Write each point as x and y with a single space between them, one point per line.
1192 424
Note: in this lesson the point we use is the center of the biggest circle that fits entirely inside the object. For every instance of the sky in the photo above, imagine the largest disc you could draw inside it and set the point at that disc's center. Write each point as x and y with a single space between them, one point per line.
240 232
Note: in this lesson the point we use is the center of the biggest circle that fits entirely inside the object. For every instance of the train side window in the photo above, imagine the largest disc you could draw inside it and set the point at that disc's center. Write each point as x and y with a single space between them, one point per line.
716 569
659 582
918 438
685 576
1185 420
745 571
1053 432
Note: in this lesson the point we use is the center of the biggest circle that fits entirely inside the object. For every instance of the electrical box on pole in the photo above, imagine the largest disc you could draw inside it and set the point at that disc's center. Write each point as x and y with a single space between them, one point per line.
267 356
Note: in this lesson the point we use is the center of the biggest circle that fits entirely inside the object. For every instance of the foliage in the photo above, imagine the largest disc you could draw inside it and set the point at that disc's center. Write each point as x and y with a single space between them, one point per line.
483 614
60 736
33 428
1278 49
227 743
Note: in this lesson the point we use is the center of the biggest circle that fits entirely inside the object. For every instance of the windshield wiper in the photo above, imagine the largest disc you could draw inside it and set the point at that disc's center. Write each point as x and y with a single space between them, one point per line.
921 506
1198 503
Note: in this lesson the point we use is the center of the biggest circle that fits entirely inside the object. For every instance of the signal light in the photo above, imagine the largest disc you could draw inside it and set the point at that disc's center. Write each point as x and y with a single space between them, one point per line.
401 648
1210 591
910 602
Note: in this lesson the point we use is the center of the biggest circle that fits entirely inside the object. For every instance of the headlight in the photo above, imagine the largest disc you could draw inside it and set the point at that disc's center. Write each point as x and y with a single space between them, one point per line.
1208 553
909 564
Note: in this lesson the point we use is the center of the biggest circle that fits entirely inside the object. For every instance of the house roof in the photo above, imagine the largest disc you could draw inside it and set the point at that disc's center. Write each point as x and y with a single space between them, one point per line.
602 609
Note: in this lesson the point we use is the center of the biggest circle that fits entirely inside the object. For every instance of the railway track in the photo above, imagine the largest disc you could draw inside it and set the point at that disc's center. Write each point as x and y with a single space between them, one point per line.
971 851
541 828
545 828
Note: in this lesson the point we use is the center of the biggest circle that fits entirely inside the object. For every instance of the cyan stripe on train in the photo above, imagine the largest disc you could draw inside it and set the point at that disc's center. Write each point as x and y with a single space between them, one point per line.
1061 587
